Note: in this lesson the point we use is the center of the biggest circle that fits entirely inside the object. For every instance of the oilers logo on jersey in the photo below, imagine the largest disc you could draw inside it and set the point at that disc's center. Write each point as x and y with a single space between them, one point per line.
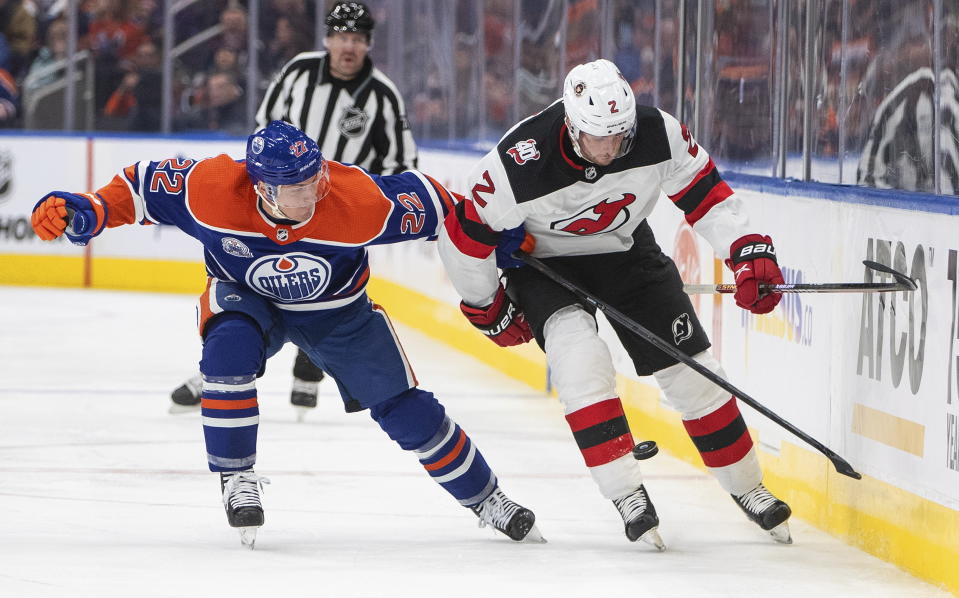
602 217
290 277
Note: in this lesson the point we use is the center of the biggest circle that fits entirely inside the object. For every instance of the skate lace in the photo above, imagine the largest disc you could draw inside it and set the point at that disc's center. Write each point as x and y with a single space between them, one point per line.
757 500
241 489
496 510
632 505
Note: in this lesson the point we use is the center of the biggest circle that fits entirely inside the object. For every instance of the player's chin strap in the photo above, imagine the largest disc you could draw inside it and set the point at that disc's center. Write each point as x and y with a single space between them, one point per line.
613 314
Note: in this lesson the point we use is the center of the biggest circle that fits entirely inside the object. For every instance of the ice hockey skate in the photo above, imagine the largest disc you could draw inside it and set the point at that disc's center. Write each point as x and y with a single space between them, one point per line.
303 396
640 518
241 499
767 511
515 521
186 397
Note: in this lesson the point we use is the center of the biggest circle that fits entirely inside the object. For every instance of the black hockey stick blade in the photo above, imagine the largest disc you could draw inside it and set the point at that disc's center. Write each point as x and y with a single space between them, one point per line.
901 278
841 465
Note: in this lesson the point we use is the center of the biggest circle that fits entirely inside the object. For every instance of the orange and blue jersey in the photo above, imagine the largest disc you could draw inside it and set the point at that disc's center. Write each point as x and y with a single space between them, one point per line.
321 263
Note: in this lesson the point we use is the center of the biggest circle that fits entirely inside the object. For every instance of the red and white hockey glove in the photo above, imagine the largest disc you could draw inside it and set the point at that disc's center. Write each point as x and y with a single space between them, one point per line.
753 260
501 320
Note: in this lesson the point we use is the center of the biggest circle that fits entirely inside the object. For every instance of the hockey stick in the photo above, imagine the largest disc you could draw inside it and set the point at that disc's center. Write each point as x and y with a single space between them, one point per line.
903 283
841 465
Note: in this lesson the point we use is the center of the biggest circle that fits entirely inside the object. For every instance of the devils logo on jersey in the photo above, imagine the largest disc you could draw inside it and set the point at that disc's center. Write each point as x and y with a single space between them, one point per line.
524 151
290 277
604 217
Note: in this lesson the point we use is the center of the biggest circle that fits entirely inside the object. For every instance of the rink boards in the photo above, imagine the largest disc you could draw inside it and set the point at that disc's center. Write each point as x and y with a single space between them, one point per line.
874 377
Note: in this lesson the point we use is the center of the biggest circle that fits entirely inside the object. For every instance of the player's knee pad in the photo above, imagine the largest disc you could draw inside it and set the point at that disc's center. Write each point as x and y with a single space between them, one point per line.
580 364
304 369
688 391
411 418
232 346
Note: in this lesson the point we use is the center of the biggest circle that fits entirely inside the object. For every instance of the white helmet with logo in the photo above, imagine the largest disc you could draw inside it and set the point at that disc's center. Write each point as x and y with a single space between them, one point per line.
599 102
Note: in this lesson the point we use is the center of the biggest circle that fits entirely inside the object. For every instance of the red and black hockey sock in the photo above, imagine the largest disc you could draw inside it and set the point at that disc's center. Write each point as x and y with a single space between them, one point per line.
721 436
601 432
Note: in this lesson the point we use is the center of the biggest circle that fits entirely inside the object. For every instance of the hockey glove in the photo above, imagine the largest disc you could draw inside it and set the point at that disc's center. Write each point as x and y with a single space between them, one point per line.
80 217
501 321
509 241
753 261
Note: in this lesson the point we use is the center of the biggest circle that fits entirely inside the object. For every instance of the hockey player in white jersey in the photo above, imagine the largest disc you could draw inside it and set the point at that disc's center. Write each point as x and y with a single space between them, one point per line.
574 184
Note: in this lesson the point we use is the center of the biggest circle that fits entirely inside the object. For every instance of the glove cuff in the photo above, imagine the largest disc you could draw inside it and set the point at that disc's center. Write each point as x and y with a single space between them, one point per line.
751 247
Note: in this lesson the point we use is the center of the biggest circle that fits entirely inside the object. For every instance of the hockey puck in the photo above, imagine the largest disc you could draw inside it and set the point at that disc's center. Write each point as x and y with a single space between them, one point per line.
645 450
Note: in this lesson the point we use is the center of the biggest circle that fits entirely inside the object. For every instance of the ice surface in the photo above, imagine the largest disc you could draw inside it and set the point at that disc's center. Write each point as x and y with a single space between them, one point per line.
103 493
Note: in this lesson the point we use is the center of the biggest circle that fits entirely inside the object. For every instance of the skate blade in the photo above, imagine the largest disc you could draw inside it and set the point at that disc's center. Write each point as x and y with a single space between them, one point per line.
781 534
534 536
176 408
248 536
653 538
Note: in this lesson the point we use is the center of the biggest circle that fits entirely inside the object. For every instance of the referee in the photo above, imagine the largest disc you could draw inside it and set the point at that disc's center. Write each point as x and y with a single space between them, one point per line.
340 99
356 115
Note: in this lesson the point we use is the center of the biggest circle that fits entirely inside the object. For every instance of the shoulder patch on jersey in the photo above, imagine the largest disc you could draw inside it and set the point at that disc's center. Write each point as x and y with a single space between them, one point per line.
524 151
235 247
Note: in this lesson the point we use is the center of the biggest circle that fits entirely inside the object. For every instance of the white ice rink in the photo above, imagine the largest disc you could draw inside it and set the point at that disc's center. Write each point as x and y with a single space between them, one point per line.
103 493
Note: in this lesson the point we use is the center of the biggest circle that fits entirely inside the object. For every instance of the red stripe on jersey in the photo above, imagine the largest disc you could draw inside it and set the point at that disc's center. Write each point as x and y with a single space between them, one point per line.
596 413
454 453
729 455
717 194
463 242
226 404
713 422
710 166
602 454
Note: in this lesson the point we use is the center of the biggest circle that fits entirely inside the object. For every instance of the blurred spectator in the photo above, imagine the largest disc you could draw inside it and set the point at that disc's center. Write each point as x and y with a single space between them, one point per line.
220 109
137 100
18 27
54 50
287 41
113 34
225 60
9 100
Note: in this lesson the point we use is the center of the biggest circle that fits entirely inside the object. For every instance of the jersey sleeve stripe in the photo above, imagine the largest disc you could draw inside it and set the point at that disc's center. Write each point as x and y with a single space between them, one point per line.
708 169
468 234
444 195
715 196
439 207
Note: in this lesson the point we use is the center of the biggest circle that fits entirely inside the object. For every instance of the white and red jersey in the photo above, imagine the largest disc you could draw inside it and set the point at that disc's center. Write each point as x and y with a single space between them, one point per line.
534 179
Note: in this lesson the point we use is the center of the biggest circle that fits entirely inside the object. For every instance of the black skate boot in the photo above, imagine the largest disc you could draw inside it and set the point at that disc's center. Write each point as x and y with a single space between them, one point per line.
304 393
187 396
241 499
517 522
767 511
640 518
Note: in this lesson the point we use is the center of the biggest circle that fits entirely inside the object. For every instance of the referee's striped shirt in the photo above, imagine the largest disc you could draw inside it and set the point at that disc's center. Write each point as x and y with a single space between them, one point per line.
361 121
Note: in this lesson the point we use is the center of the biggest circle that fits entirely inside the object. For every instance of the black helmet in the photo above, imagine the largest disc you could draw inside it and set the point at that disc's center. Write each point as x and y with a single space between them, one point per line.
351 17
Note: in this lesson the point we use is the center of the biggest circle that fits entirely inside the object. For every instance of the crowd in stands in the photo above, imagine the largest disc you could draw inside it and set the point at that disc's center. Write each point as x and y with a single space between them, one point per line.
124 41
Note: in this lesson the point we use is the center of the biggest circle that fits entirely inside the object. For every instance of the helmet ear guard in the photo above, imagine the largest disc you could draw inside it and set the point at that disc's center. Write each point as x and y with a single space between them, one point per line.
599 102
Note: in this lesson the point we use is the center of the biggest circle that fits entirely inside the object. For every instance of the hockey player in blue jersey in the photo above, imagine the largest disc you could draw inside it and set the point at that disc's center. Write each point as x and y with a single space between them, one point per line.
285 235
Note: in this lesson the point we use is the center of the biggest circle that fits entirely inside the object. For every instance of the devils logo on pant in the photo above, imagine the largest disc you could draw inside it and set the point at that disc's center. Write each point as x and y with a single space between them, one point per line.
604 217
682 328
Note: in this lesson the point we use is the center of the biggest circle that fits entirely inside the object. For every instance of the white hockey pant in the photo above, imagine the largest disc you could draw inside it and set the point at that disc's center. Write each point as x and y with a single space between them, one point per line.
581 370
714 423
